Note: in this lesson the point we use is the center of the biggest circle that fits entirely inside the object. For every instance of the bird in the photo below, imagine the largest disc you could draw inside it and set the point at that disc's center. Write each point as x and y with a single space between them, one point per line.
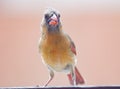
58 51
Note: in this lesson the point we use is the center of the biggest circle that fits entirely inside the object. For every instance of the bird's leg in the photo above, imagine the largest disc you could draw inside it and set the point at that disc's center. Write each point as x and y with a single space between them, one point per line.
51 75
73 75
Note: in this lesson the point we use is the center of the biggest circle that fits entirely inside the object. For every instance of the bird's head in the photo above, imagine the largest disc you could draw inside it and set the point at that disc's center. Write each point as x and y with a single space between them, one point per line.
51 20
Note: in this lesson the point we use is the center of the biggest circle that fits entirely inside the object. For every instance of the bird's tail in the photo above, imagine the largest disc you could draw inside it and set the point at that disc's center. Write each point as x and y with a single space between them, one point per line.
79 78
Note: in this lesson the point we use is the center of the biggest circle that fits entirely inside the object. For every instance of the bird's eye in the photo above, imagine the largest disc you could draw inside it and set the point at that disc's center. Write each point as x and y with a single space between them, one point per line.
46 16
59 15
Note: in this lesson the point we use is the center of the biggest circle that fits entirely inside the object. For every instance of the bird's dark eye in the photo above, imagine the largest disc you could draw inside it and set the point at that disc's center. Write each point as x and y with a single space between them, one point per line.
46 16
59 15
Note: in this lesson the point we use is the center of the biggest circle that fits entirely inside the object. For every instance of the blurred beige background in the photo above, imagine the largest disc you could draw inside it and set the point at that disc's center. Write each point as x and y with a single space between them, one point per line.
94 26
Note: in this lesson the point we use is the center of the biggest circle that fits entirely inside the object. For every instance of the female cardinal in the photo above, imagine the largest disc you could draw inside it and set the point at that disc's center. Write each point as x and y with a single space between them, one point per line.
57 50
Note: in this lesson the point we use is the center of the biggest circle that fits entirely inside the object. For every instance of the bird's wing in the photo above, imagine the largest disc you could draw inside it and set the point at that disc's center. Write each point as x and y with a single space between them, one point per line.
72 45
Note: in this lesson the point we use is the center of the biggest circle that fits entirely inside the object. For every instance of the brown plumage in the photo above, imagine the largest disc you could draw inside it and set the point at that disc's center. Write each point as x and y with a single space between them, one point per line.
57 49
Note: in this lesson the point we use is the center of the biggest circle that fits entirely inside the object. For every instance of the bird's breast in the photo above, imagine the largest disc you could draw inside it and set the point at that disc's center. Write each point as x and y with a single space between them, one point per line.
56 52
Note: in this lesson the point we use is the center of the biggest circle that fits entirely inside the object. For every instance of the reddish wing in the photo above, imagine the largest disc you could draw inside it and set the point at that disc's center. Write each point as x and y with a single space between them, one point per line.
72 46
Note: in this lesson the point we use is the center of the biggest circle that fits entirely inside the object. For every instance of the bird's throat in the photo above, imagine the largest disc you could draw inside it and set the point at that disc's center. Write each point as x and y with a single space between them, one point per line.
53 29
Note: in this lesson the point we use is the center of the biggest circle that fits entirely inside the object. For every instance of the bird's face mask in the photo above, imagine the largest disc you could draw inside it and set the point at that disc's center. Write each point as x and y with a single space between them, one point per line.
52 20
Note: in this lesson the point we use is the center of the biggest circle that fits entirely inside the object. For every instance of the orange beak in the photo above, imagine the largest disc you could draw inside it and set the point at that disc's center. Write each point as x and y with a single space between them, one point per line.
53 20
